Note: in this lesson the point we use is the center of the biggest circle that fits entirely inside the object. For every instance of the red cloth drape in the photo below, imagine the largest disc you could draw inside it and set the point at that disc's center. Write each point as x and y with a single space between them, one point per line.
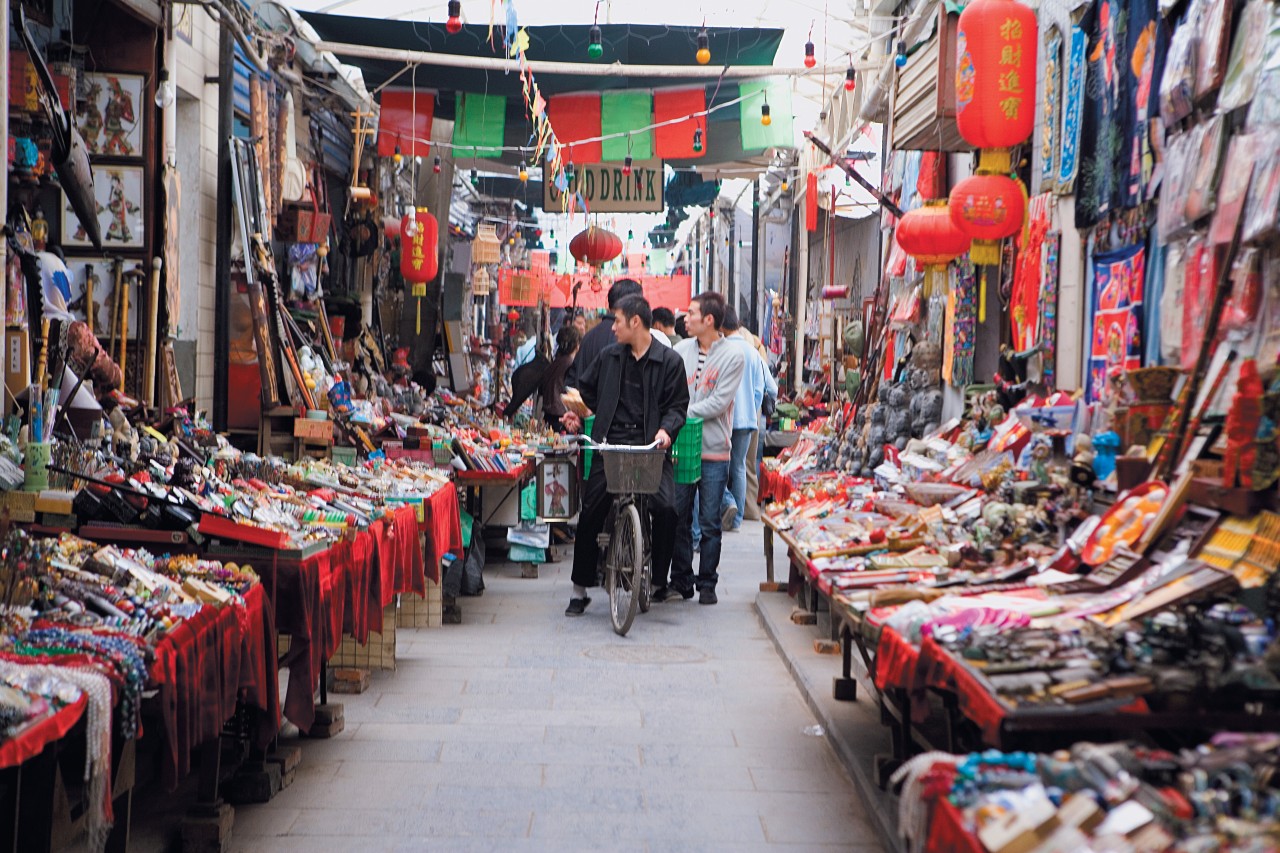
404 120
895 661
947 833
675 141
575 117
203 666
31 741
442 525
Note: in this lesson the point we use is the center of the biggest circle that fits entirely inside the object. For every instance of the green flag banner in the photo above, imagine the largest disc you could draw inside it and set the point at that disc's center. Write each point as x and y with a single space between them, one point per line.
779 133
480 124
621 112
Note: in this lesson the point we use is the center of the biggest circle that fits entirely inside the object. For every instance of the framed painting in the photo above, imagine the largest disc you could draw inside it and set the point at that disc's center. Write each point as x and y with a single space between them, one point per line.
118 191
109 114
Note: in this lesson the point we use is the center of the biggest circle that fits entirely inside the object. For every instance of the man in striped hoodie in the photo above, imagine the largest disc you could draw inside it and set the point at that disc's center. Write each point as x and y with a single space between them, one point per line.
714 367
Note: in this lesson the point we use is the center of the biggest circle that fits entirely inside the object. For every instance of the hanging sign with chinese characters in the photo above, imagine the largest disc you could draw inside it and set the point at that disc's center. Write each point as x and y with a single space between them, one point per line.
418 240
610 187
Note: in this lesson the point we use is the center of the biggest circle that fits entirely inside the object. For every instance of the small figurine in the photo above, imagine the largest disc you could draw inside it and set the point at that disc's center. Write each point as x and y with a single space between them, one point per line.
124 438
1082 473
40 230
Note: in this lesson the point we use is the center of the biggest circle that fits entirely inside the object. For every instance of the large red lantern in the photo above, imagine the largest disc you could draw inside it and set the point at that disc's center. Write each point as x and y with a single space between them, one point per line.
996 74
418 239
929 235
595 246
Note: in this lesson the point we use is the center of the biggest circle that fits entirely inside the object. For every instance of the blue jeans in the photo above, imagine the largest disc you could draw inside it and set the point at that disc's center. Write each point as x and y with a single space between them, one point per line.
737 487
725 502
709 491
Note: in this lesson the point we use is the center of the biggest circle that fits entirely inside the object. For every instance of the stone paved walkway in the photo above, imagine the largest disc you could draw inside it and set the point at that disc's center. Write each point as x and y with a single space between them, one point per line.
524 730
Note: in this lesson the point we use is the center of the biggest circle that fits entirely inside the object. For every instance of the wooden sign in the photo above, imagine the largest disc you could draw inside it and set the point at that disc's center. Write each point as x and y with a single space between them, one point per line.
606 190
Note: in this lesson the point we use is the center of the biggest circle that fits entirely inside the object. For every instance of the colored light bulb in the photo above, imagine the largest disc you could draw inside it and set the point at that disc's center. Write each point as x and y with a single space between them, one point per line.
697 139
850 79
809 59
626 165
524 172
454 22
595 49
901 59
704 47
435 167
765 118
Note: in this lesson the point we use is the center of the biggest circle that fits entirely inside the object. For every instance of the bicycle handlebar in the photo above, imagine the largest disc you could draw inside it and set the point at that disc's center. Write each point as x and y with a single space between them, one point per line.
595 445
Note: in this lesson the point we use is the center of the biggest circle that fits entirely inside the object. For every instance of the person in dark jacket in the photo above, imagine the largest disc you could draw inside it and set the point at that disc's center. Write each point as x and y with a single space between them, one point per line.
594 341
639 394
567 341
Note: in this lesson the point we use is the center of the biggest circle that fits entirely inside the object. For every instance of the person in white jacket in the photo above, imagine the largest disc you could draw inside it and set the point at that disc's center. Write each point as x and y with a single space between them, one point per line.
714 367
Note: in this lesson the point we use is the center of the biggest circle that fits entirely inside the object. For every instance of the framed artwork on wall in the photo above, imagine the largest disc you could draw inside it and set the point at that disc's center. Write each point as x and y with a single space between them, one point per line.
118 191
110 114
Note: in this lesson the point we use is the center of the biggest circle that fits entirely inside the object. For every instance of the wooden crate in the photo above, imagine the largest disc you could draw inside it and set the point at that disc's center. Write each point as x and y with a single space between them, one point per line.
418 611
313 431
378 653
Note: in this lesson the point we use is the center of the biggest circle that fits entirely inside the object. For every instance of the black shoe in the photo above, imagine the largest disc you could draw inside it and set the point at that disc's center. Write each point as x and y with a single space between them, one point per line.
577 606
686 594
707 596
666 593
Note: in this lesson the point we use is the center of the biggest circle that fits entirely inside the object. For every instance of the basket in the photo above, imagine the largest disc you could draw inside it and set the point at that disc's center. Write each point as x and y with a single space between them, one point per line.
686 453
636 472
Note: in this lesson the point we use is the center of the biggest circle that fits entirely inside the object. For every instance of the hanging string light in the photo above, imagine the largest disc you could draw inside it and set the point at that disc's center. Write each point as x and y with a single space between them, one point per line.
810 59
595 49
765 118
475 178
626 165
569 171
704 47
631 235
435 167
397 156
453 24
901 59
850 77
697 140
524 173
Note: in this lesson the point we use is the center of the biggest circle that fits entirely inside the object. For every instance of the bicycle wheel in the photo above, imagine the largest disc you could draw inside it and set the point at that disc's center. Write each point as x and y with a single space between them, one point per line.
626 567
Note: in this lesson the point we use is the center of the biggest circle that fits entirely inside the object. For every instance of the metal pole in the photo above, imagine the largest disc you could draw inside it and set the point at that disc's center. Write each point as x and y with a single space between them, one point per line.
222 257
754 315
731 285
711 251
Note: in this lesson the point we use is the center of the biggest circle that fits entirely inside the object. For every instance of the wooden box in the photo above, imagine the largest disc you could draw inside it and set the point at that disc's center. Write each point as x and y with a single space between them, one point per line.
313 430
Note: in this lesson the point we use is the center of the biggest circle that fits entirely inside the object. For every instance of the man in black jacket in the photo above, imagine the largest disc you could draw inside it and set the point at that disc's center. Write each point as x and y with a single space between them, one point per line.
638 391
594 341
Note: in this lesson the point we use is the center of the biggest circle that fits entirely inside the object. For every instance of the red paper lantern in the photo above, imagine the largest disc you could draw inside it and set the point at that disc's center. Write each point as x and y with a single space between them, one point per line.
513 315
929 235
996 73
595 246
418 239
988 208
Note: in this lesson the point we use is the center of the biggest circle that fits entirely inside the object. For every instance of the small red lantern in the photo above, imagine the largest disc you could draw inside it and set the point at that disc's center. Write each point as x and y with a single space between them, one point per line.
513 315
929 235
595 246
996 73
419 238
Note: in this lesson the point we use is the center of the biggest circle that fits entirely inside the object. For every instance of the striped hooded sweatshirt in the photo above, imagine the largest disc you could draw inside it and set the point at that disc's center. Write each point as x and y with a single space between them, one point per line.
713 384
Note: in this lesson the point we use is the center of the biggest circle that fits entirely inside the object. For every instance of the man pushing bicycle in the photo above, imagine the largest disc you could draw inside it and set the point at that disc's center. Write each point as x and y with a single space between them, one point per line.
639 394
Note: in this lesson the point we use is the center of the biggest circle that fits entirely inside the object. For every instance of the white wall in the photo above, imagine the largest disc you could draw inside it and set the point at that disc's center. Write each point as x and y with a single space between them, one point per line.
198 162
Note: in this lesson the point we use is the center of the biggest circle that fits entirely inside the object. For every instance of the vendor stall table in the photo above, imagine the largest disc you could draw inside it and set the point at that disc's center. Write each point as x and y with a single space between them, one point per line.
473 482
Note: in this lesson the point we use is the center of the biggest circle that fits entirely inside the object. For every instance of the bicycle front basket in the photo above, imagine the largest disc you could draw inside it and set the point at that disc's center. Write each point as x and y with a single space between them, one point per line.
636 472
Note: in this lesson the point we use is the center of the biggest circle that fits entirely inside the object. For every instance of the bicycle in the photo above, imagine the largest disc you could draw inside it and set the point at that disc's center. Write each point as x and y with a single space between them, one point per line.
632 473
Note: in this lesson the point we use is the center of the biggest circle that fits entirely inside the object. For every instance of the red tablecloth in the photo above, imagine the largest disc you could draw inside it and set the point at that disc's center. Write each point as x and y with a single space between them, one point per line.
895 662
940 669
947 833
308 610
31 741
203 666
442 526
774 486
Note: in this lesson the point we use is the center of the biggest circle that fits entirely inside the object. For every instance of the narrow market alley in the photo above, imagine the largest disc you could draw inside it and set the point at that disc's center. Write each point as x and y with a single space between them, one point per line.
524 730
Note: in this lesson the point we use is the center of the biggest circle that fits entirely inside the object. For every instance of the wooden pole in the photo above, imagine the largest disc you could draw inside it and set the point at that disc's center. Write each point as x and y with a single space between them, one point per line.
153 343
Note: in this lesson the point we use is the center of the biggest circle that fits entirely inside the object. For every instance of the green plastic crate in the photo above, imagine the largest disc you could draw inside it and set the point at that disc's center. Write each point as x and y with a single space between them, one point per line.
686 453
345 456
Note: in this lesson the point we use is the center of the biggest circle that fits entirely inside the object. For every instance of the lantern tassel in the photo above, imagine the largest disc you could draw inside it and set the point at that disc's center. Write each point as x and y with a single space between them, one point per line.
982 297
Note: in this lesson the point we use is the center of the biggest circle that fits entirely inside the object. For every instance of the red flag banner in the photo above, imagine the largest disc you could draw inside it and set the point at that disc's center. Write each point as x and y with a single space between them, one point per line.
576 117
402 119
676 140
